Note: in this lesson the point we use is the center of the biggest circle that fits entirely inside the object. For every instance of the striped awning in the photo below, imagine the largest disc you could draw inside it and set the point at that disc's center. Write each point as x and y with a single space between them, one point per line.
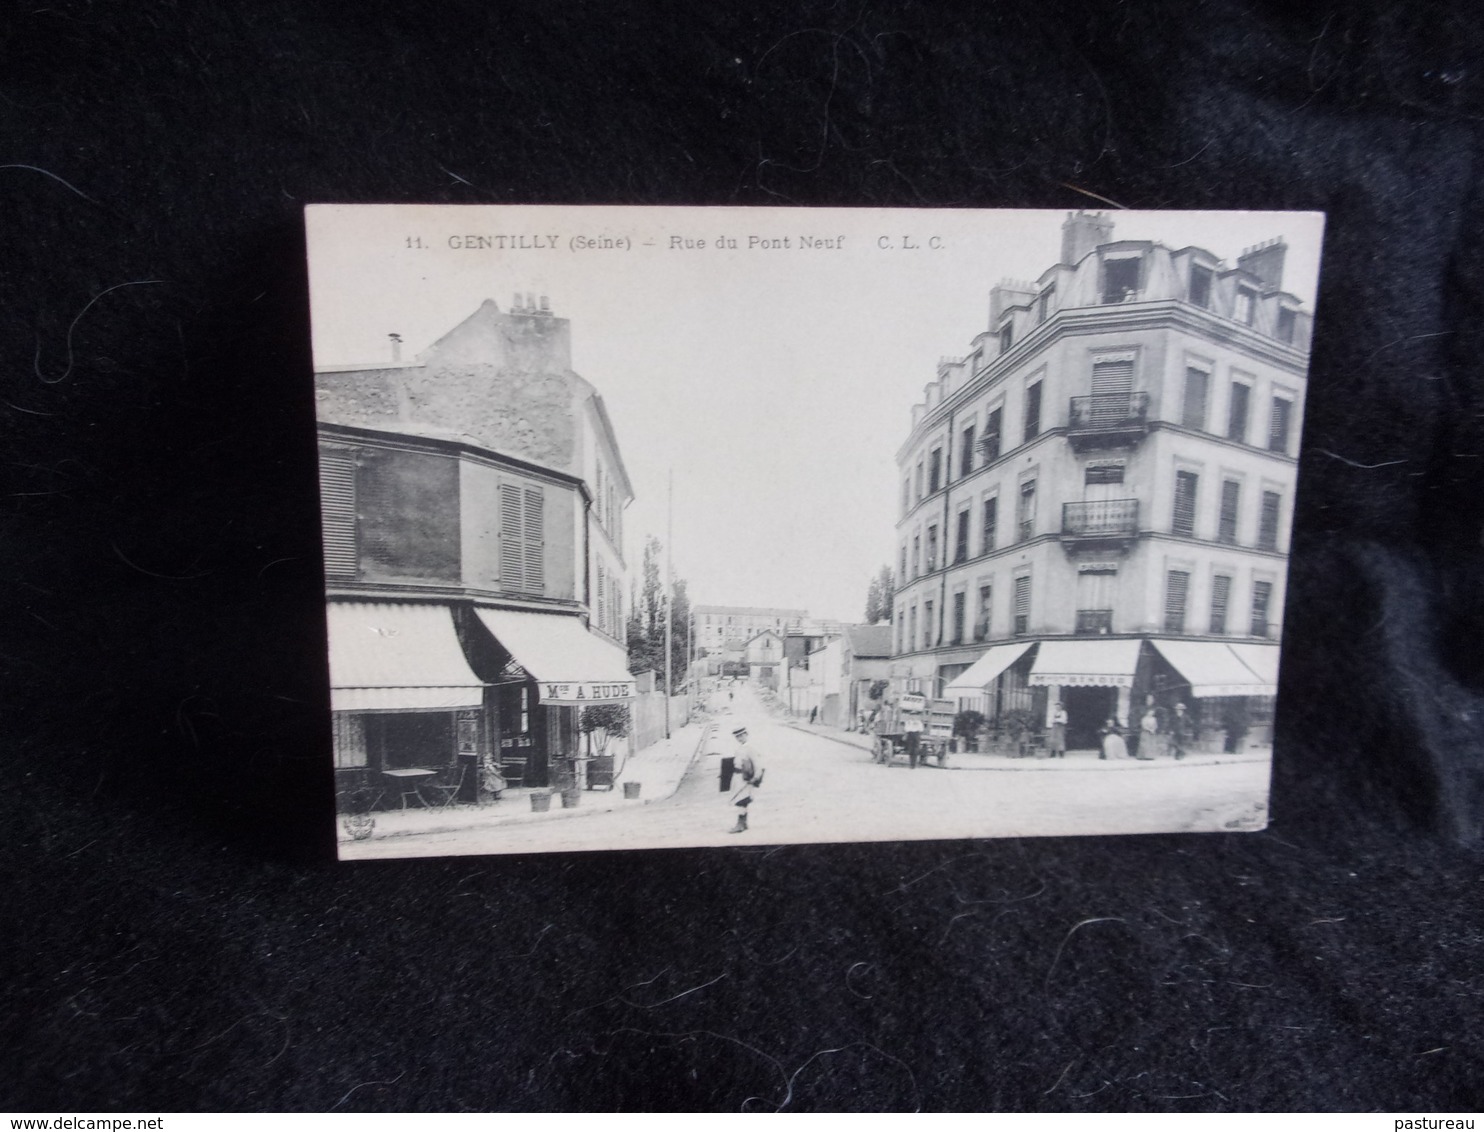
386 656
1214 668
984 671
571 665
1089 663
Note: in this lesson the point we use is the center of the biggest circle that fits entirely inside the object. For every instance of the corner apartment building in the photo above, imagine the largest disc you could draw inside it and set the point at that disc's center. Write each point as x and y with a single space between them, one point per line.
1096 501
472 504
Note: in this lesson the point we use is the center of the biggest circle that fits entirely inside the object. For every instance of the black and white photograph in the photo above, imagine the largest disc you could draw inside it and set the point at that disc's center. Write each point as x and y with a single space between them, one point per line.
679 527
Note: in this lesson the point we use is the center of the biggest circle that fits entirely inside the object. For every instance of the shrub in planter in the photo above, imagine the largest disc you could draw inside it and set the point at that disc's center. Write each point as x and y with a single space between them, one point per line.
966 727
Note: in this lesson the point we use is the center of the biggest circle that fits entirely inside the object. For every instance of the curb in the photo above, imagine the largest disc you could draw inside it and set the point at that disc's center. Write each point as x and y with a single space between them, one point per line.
1036 764
608 806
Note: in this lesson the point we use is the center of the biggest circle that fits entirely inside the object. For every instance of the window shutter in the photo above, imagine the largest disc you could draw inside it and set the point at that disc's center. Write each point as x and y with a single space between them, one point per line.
1112 377
1023 604
337 493
600 607
1267 531
1185 489
1177 586
992 430
1033 411
991 522
512 573
1236 424
1230 494
1221 589
1278 425
535 535
1262 595
1196 383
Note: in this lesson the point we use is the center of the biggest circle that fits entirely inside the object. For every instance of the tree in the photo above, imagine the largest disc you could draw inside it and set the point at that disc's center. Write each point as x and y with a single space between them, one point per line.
879 596
645 633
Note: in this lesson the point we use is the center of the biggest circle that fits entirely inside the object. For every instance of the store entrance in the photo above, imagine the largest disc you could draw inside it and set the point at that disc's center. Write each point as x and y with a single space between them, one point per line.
1087 710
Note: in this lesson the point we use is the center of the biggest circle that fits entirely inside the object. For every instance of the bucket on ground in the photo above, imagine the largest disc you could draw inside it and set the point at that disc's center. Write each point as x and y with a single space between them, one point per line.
631 789
540 803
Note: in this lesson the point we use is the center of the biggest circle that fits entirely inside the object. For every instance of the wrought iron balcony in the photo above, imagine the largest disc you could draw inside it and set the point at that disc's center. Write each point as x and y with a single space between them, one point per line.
1094 622
1099 524
1107 420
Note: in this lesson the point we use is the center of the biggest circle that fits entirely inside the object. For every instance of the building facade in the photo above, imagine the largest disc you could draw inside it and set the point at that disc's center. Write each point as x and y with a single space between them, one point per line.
472 506
1095 502
723 628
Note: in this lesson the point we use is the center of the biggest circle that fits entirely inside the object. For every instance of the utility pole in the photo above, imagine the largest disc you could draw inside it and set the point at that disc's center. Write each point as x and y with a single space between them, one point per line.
669 589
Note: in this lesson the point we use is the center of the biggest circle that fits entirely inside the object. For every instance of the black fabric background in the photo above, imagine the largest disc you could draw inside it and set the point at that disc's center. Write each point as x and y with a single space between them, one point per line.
178 935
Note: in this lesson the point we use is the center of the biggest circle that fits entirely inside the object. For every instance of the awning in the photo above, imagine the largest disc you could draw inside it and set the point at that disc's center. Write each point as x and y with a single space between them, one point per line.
1215 668
1090 663
984 671
570 665
389 657
1263 660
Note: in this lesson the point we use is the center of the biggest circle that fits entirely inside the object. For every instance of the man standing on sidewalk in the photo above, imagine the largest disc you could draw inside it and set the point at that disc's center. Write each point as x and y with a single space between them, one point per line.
747 764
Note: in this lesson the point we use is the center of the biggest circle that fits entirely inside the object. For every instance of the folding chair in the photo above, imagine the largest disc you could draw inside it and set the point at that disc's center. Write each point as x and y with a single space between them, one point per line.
447 793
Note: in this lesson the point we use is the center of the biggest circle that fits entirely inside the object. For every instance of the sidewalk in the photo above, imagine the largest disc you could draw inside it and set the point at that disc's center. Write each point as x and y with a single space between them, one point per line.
657 770
1074 760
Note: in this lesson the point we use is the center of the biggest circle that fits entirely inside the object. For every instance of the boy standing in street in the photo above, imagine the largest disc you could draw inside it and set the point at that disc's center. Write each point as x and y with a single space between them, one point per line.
747 764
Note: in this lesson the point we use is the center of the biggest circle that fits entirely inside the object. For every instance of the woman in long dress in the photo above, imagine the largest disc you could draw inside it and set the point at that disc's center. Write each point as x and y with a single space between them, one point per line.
1113 745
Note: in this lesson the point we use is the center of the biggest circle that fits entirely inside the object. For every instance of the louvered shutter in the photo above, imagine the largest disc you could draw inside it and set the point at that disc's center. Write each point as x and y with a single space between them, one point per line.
1033 411
535 541
1022 603
1112 377
1177 587
337 492
1230 494
1221 590
600 606
991 523
1267 531
1262 596
512 573
1278 425
1185 489
1236 421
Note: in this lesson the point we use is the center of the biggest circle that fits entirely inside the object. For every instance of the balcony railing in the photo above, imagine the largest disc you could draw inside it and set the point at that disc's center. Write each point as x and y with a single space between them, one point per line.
1107 420
1105 412
1100 518
1094 622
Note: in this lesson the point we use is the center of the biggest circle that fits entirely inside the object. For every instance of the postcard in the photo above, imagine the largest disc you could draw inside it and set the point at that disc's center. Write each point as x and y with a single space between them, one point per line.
670 527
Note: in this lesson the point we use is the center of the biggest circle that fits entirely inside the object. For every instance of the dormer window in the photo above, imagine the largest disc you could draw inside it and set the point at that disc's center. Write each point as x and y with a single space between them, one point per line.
1287 320
1007 337
1246 308
1200 285
1043 305
1120 280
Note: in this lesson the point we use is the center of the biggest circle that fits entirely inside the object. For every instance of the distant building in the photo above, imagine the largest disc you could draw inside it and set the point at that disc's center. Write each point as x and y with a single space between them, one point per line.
1095 502
473 527
717 625
764 656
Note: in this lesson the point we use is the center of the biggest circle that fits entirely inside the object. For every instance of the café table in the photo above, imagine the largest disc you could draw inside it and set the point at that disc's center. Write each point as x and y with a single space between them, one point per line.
407 781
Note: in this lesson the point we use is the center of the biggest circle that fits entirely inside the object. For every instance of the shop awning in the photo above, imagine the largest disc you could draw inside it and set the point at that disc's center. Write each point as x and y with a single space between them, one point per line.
390 657
1214 669
1263 660
570 665
1090 663
983 672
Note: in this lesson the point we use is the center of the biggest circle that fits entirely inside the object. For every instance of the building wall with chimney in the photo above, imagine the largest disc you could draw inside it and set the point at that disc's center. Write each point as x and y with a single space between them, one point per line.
1187 468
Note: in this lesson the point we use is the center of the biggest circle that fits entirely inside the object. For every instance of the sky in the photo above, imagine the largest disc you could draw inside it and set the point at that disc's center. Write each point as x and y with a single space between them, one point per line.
773 381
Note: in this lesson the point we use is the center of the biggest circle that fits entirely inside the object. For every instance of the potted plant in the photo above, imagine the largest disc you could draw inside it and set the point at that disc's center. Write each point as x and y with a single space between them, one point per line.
1237 723
1019 724
601 723
966 728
